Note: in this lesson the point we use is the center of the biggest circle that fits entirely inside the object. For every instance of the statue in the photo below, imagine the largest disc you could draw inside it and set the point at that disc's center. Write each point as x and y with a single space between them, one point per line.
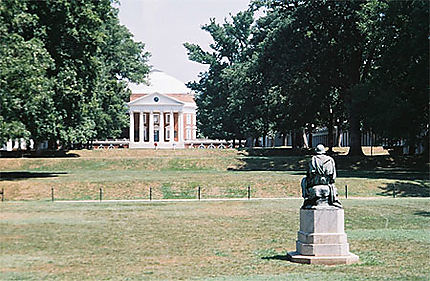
321 238
318 187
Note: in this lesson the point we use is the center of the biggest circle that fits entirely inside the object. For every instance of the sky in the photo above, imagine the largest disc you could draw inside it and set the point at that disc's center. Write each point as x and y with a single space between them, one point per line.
164 25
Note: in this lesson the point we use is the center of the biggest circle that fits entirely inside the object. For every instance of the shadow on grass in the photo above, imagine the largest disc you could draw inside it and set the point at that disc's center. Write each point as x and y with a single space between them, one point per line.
422 213
393 175
11 176
260 151
376 167
406 189
289 161
276 257
38 154
271 163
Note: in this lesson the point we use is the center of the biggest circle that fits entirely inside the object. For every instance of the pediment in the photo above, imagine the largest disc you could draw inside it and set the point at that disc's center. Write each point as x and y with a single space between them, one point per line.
155 99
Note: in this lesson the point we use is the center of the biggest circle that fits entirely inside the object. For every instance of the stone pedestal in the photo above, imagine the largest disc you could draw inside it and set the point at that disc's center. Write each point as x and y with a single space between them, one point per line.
322 239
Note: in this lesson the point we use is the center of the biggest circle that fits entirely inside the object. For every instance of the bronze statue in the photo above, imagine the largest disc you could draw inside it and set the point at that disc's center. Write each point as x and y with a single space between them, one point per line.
318 187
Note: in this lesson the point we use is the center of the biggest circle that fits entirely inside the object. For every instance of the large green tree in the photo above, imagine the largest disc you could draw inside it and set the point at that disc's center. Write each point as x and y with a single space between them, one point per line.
397 104
289 67
318 56
88 58
365 61
93 55
26 96
218 115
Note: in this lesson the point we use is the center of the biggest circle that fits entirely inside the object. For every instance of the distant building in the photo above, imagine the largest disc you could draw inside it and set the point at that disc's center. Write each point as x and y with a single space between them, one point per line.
162 113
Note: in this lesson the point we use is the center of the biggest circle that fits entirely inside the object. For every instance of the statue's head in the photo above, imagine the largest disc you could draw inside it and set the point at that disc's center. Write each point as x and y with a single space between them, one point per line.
320 149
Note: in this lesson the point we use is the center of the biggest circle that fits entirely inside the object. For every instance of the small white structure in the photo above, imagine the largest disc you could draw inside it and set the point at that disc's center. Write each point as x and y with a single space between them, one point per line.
162 114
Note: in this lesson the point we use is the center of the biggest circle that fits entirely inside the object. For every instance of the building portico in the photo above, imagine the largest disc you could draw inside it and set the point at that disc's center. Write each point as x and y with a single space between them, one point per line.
162 120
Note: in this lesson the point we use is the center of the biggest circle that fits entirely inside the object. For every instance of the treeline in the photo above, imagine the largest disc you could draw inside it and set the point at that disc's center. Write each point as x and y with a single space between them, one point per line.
302 64
63 70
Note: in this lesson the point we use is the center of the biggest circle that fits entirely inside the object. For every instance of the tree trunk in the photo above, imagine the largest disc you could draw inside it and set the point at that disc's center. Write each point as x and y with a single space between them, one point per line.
35 145
293 139
297 138
412 145
264 140
251 142
355 134
52 144
257 142
426 147
234 142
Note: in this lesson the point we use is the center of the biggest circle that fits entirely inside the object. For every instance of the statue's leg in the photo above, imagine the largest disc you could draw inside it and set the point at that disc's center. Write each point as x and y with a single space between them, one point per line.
333 198
311 198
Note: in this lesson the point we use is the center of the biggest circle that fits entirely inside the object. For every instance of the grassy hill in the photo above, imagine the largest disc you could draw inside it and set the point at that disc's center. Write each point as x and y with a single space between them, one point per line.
128 174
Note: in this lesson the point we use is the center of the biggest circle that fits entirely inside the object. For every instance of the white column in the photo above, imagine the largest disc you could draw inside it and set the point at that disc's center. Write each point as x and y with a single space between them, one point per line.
9 145
181 127
131 126
161 130
151 127
193 122
141 126
172 127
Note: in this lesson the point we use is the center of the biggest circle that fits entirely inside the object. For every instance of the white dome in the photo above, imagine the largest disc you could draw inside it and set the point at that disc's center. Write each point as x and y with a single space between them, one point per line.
159 82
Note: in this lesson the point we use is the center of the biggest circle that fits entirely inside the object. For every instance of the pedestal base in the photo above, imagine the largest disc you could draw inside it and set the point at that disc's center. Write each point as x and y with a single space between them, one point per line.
321 238
327 260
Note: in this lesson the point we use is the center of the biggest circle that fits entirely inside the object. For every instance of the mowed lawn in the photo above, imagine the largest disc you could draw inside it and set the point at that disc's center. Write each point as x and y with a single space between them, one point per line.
128 174
229 240
207 240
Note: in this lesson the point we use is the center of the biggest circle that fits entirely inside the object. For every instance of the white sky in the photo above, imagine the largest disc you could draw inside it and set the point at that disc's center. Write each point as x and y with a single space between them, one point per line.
164 25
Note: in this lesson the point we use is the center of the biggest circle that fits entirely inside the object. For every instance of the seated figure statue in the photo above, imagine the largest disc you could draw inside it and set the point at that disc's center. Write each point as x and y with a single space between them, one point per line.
318 187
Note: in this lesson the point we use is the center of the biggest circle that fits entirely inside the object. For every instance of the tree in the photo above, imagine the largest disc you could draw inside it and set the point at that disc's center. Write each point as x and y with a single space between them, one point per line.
93 54
399 84
292 61
122 60
217 114
335 53
304 59
26 96
78 59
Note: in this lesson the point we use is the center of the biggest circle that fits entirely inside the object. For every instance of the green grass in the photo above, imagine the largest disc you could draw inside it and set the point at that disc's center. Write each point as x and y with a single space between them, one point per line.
234 240
128 174
169 193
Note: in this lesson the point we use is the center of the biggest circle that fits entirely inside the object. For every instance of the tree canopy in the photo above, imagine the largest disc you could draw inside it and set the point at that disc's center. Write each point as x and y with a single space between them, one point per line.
366 61
64 70
217 114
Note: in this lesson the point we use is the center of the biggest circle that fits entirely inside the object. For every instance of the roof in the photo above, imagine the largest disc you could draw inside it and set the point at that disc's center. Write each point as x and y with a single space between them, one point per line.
159 82
179 97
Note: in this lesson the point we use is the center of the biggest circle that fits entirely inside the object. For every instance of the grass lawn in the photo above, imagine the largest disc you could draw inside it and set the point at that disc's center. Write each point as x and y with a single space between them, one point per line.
128 174
229 240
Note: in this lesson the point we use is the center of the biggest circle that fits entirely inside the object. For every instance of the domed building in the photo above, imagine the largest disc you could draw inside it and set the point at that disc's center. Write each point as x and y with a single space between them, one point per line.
162 113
